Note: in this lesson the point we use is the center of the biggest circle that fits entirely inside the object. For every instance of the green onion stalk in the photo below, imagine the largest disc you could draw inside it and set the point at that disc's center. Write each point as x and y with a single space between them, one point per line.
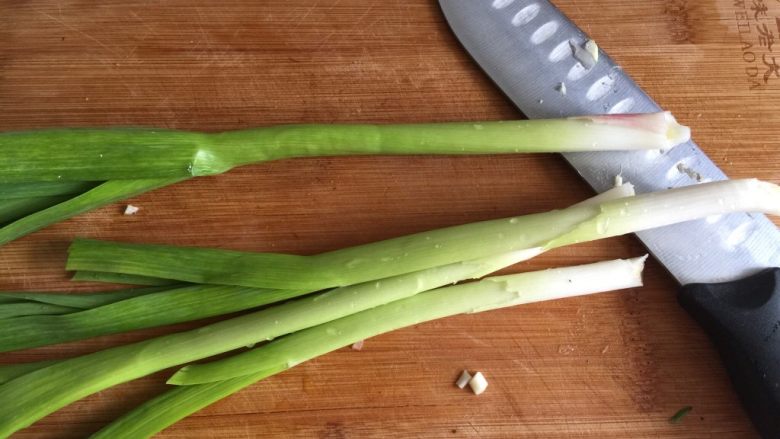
247 368
582 222
49 175
82 154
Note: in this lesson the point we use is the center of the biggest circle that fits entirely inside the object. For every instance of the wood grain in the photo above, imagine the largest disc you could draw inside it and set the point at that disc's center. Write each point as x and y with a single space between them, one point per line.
614 365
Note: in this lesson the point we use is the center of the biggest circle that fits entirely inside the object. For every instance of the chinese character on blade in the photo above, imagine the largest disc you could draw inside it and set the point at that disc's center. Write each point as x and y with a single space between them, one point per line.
759 8
772 67
765 36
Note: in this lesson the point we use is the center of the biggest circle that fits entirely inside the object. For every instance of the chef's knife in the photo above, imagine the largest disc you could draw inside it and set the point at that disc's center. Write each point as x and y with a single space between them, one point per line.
539 58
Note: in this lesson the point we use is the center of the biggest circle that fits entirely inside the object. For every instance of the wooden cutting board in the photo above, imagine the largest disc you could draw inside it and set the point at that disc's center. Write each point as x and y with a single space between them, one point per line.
614 365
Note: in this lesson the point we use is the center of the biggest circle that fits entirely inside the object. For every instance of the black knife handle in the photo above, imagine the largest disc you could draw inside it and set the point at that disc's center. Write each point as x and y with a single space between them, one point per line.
743 320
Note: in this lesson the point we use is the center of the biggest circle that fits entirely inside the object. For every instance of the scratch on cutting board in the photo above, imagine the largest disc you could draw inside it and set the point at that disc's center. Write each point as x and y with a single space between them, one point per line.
142 22
541 379
234 60
363 16
75 29
475 339
336 3
202 31
308 11
325 40
130 53
510 397
356 24
132 90
305 14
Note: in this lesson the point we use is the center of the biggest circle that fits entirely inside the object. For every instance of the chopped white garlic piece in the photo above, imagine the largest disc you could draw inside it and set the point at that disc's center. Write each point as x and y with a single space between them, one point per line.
587 54
358 345
464 379
131 210
593 50
478 383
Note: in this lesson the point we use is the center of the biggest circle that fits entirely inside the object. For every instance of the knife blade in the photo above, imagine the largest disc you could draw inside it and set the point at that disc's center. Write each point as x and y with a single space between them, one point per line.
533 52
526 49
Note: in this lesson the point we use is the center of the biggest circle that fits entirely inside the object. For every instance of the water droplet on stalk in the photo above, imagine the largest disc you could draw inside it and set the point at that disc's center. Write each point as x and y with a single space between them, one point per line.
602 225
354 263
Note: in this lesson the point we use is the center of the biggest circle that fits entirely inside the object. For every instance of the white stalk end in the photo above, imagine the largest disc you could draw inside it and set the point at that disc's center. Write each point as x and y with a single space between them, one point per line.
559 283
644 130
676 134
591 278
657 209
662 208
